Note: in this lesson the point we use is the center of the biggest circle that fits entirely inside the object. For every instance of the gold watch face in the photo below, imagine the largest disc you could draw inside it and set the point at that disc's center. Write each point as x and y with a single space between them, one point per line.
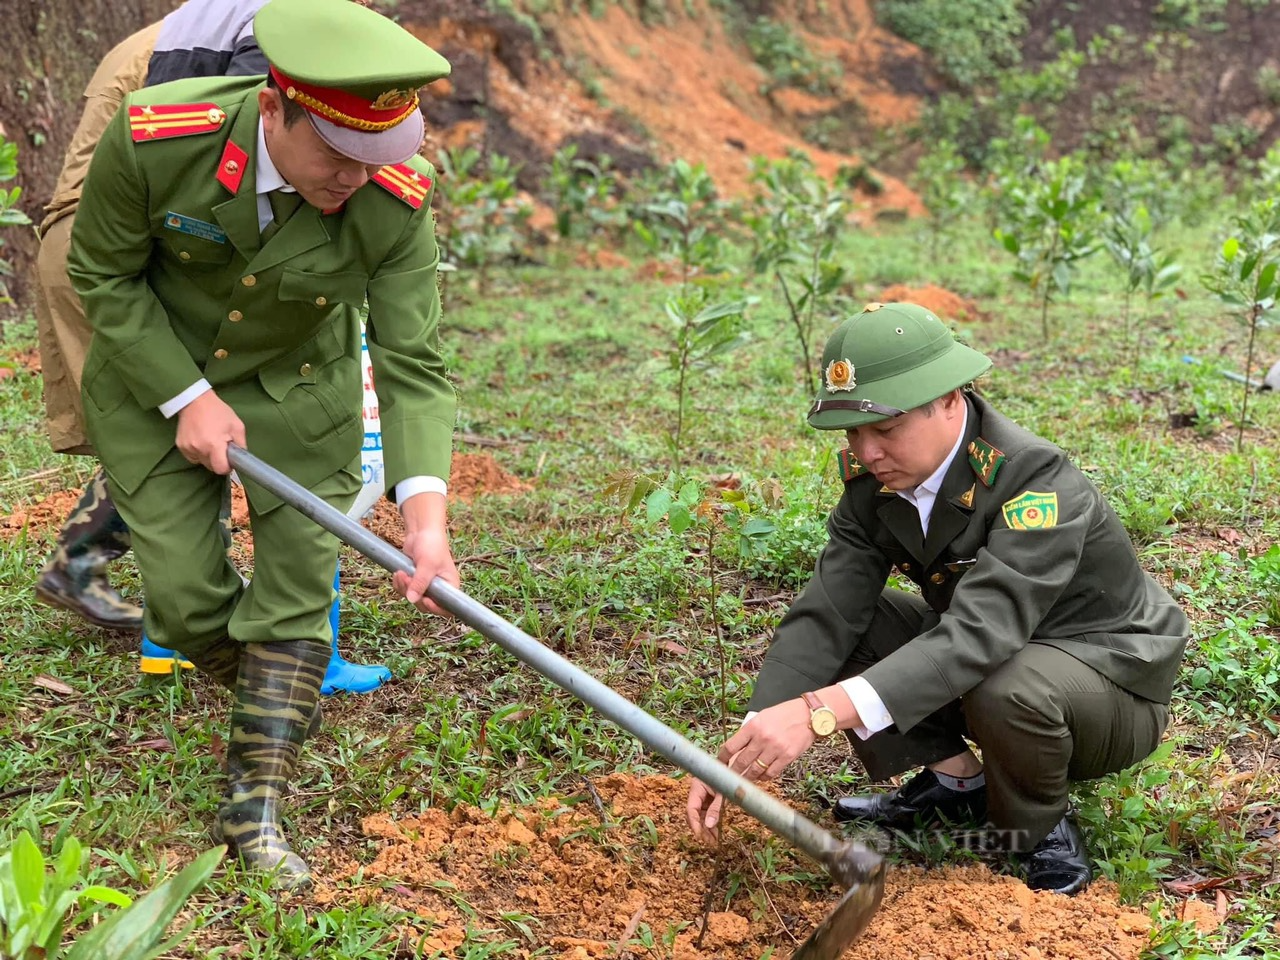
823 722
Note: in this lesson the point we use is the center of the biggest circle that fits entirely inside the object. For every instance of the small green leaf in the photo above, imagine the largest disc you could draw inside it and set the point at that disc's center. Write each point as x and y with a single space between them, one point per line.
100 894
680 518
657 504
28 871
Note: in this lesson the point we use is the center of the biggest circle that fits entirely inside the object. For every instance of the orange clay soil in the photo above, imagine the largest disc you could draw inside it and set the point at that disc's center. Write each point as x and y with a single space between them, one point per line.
589 881
698 92
947 305
473 474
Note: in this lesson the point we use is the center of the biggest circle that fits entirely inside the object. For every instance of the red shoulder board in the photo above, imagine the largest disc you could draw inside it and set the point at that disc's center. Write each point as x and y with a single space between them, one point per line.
401 180
161 121
849 465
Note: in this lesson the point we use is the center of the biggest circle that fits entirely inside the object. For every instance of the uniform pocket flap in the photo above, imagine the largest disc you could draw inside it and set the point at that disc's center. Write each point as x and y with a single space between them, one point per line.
301 365
323 289
197 251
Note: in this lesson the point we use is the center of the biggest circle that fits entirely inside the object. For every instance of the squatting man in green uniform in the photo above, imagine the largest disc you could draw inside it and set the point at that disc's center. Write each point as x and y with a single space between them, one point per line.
228 235
1036 634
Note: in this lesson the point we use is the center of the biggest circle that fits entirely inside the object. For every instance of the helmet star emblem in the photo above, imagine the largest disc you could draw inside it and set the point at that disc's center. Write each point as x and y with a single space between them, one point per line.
840 376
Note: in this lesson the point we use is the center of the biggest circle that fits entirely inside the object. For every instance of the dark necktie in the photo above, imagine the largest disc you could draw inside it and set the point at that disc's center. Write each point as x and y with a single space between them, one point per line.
283 205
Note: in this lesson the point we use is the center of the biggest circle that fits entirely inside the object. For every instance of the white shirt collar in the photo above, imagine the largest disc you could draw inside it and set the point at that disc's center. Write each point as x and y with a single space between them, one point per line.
926 492
268 178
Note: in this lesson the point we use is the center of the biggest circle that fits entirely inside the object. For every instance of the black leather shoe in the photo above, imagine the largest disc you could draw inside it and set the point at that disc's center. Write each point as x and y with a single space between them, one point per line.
922 799
1059 862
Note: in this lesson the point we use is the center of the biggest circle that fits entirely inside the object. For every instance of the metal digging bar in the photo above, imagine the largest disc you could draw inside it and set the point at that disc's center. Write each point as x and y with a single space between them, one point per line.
857 868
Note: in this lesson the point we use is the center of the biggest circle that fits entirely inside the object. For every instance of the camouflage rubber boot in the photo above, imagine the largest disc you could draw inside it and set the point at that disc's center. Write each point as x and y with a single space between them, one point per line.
275 711
75 577
221 661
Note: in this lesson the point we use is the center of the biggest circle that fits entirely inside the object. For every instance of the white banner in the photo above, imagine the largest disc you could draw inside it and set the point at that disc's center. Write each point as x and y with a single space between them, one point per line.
375 484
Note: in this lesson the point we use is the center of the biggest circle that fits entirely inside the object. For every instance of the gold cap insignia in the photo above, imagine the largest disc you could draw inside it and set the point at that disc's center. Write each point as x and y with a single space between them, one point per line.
392 100
872 307
840 376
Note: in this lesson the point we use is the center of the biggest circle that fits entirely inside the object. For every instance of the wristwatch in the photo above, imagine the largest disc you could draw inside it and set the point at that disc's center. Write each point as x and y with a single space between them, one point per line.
822 719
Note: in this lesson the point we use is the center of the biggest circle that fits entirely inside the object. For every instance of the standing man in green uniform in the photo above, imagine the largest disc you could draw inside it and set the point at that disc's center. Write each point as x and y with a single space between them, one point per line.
230 231
1036 633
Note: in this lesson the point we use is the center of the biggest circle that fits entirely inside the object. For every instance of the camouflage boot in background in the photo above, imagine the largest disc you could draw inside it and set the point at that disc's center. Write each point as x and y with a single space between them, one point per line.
75 577
275 711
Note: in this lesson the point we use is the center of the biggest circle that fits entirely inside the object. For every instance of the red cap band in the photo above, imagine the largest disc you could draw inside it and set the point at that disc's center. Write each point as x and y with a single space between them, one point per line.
348 109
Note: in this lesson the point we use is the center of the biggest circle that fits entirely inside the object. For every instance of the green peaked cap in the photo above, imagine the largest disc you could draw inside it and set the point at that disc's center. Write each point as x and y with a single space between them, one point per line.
886 360
341 44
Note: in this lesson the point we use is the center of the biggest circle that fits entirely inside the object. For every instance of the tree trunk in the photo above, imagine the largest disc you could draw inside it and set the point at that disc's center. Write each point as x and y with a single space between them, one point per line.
53 49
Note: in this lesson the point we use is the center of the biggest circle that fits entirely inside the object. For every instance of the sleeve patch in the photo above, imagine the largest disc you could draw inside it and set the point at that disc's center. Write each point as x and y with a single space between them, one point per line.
985 460
162 121
404 182
849 466
1030 510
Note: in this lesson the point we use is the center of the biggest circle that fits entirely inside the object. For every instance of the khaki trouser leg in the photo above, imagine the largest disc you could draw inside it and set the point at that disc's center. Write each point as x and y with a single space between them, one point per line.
64 339
1045 719
899 618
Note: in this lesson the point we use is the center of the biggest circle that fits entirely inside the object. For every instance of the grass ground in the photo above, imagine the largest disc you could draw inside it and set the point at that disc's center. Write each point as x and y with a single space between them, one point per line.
565 371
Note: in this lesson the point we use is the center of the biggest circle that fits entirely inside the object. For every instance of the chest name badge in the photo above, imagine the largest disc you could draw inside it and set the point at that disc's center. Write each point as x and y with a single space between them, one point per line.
194 228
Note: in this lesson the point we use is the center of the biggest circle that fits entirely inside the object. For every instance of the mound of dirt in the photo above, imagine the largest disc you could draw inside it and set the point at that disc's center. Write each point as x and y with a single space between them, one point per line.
47 514
592 880
947 305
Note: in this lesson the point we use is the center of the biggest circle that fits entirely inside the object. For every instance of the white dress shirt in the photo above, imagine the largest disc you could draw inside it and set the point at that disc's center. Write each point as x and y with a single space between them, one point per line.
871 709
267 178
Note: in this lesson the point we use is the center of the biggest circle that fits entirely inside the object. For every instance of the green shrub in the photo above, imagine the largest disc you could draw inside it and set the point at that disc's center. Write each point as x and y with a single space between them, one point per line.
35 904
969 40
10 215
787 60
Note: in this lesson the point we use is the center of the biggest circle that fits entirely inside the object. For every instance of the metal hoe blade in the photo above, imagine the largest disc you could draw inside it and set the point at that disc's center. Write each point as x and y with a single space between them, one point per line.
857 868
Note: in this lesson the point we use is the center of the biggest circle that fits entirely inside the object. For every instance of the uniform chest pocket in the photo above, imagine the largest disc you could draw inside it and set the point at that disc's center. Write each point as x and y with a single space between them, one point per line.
193 251
303 365
323 290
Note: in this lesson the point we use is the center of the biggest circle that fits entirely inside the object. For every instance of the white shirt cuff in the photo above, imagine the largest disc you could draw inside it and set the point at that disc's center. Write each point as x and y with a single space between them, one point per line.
871 709
170 407
412 486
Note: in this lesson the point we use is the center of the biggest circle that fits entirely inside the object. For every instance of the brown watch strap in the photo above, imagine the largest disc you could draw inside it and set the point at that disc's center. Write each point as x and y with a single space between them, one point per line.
812 700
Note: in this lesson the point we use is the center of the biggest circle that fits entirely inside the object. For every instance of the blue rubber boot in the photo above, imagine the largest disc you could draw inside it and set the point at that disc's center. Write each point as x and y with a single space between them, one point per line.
156 659
344 676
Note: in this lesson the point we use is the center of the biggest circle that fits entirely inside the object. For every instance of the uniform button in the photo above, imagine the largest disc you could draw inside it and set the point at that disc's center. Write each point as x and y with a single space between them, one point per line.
321 301
184 255
304 370
220 354
249 281
904 567
938 577
235 316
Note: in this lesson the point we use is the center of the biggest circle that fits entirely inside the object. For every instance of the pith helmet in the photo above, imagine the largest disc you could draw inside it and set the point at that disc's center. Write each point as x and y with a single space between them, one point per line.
885 361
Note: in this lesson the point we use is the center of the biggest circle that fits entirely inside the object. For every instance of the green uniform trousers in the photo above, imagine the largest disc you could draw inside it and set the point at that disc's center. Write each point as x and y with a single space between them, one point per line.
195 596
1042 720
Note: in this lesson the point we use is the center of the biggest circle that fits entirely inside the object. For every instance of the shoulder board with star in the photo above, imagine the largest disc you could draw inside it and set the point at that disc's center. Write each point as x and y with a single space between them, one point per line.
849 466
404 182
985 460
164 121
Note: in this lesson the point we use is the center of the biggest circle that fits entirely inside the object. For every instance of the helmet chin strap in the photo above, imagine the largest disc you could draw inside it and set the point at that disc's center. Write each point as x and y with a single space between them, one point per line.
861 406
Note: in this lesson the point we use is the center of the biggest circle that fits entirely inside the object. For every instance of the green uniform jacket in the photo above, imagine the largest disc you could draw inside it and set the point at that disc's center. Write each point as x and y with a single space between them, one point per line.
177 286
1021 548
